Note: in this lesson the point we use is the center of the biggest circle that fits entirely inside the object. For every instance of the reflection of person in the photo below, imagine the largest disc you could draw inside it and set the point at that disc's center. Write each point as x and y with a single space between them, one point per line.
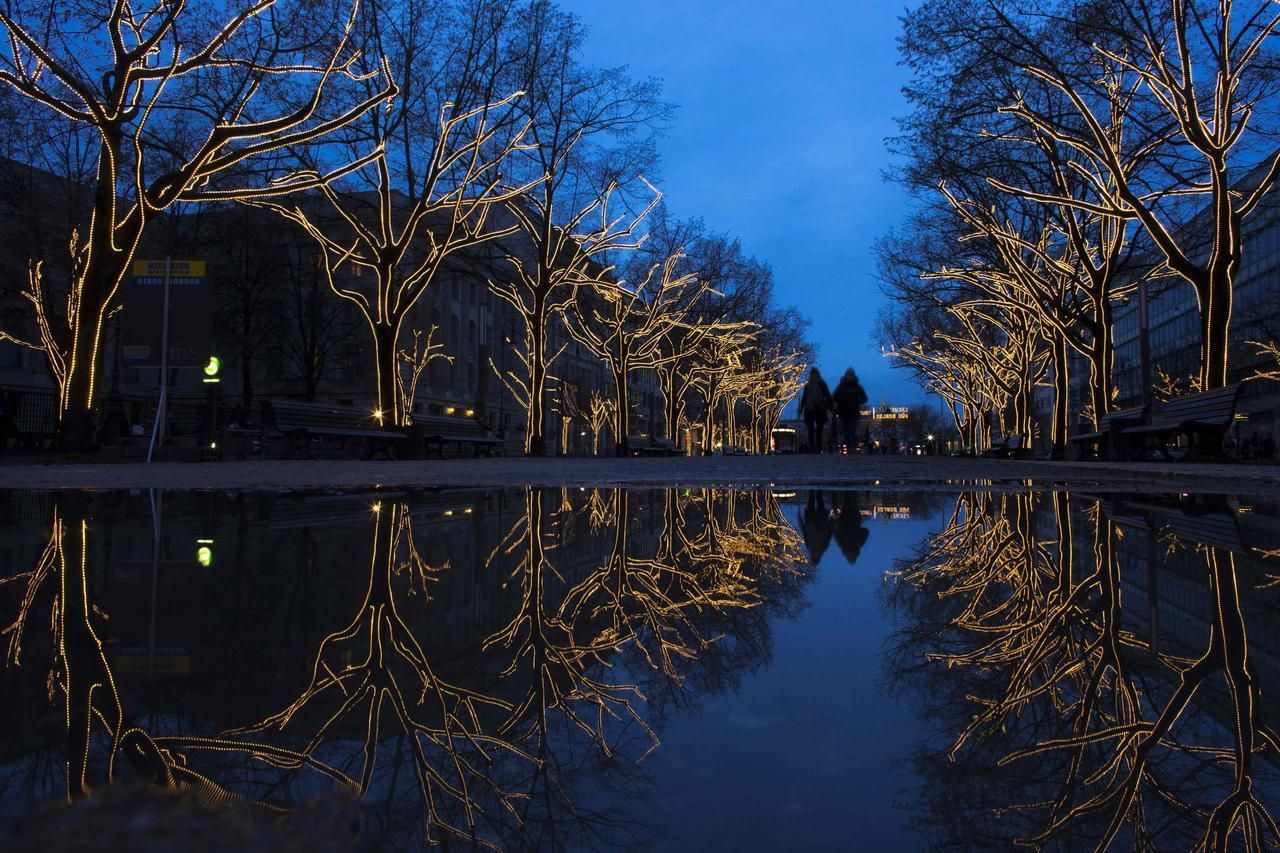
815 406
815 526
849 532
849 399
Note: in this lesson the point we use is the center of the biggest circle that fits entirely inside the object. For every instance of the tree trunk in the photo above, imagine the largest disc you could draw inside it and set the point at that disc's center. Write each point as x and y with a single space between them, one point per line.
1061 398
246 359
1215 319
622 427
534 442
1215 291
667 384
105 263
387 391
708 425
1101 357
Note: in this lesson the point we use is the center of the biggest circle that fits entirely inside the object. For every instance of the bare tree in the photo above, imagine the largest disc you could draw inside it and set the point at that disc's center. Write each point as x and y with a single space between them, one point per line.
250 263
1208 68
316 332
162 64
626 325
589 128
427 194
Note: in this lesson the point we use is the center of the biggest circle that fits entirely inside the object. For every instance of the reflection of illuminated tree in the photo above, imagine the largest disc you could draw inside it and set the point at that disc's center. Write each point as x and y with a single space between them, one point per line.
617 606
597 650
653 604
740 537
1072 727
543 646
374 671
98 731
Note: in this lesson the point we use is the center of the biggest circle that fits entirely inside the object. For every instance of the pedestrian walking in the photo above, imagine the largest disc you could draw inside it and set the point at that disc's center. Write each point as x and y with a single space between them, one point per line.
815 407
849 399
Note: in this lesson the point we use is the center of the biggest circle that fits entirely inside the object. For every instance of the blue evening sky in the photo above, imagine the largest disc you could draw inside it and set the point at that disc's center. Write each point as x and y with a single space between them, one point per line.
784 106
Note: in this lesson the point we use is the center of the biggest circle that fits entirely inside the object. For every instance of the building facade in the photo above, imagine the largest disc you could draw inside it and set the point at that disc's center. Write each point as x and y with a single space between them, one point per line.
280 333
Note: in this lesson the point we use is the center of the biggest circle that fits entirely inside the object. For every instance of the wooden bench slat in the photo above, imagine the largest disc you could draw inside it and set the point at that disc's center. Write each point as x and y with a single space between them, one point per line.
438 430
301 422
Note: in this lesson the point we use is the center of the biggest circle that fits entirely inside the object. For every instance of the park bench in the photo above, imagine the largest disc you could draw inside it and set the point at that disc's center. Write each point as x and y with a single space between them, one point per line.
302 423
1106 441
1006 447
639 445
439 430
1203 419
31 421
1216 528
1214 525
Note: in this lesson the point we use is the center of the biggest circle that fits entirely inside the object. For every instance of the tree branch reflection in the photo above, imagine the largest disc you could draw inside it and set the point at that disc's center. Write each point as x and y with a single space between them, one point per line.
1071 726
601 609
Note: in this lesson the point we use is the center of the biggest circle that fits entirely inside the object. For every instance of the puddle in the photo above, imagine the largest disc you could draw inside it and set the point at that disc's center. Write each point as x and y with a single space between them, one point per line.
658 668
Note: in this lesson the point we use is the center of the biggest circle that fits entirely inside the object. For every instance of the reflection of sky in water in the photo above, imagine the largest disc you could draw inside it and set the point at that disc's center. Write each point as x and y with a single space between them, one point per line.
805 753
786 703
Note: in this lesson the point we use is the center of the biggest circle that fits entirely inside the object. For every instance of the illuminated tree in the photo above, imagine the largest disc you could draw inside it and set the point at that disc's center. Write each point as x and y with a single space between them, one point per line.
410 366
717 357
775 381
588 151
986 363
1036 275
387 235
625 325
1208 71
546 288
599 415
1089 253
955 380
153 64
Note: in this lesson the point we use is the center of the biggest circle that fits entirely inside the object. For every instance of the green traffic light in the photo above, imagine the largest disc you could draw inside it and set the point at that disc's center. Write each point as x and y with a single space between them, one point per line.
214 365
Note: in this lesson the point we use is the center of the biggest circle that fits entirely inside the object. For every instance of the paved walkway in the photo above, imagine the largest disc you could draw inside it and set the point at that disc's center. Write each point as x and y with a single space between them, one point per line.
781 471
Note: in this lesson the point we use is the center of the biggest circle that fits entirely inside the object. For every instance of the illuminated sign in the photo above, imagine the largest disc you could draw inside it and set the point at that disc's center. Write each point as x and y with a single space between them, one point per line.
190 314
889 513
887 413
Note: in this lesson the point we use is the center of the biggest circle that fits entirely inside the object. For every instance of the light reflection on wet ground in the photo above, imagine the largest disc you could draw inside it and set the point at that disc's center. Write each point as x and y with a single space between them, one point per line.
672 668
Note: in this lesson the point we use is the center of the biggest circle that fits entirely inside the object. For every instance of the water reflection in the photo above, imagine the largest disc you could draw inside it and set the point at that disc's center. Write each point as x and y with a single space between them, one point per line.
489 668
1089 662
843 521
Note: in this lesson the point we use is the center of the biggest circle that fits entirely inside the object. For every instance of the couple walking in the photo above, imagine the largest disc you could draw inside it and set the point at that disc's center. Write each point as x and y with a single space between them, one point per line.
817 403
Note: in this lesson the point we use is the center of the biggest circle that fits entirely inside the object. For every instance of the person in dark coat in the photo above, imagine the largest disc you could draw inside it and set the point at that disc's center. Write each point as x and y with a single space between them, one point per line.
849 400
815 408
815 526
